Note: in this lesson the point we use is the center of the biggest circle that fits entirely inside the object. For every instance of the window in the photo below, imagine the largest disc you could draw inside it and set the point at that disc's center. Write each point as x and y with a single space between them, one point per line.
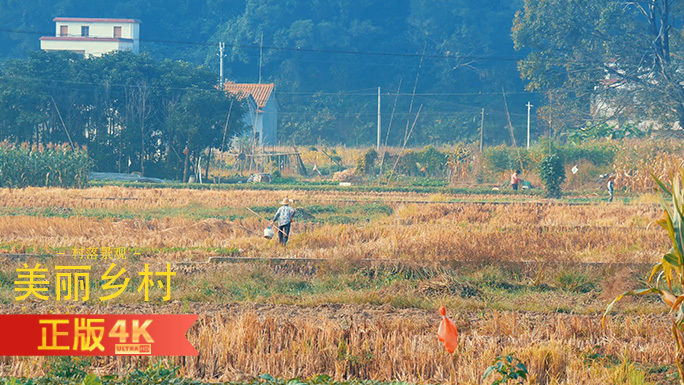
85 31
63 30
117 31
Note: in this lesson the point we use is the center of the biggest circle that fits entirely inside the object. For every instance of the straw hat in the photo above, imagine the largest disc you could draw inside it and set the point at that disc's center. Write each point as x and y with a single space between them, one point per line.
285 201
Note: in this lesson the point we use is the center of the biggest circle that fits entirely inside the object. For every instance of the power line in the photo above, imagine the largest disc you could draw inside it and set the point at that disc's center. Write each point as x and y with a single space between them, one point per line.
346 93
464 108
300 49
289 94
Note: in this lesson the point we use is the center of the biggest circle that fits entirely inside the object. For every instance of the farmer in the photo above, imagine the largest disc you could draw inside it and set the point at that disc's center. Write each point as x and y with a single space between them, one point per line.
284 218
515 180
611 187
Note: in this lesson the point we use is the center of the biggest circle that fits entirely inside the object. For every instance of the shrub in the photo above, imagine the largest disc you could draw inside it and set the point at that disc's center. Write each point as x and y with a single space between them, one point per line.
432 161
552 174
407 164
502 158
366 163
508 368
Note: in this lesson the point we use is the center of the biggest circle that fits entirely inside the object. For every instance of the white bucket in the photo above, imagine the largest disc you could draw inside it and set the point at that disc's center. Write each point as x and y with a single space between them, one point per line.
268 233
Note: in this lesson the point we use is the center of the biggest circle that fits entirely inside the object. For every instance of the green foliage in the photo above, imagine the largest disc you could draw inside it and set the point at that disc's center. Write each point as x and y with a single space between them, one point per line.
329 111
427 162
605 131
138 114
155 374
508 368
575 281
505 158
598 153
552 174
573 73
366 163
72 371
69 368
54 166
432 161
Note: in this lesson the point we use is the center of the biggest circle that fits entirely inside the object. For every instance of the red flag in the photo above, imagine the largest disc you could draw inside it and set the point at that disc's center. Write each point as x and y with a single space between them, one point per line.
447 332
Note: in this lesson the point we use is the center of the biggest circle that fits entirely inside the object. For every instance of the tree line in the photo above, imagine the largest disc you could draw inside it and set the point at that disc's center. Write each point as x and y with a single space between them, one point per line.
325 58
131 112
604 60
460 56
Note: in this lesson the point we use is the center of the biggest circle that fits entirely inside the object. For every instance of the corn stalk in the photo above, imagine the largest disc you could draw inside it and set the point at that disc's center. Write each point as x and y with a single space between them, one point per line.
671 266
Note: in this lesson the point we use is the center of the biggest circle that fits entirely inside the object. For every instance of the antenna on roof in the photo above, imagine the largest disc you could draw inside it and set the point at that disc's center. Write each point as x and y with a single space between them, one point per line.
261 54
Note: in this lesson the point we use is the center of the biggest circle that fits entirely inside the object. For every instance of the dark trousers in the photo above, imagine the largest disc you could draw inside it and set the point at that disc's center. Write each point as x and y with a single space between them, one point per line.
284 233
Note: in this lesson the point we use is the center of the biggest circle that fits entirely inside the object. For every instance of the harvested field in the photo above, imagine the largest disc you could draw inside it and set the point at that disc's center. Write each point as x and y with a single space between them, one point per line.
191 224
238 342
355 293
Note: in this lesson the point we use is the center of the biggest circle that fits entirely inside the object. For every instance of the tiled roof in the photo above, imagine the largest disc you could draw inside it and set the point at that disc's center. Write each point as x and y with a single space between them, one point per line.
95 20
260 92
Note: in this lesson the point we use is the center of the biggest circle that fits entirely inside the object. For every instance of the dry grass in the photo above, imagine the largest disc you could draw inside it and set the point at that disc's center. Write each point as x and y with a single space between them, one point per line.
376 341
240 342
174 220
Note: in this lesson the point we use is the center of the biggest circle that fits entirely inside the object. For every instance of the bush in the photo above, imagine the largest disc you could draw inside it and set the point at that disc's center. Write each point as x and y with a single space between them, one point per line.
598 153
432 161
407 164
552 174
427 162
503 158
366 163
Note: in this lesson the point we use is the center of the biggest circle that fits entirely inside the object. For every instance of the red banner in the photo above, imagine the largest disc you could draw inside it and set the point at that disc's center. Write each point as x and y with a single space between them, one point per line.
96 334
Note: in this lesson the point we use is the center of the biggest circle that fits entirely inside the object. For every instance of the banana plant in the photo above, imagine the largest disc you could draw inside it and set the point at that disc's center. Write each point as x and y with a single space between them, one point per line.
671 266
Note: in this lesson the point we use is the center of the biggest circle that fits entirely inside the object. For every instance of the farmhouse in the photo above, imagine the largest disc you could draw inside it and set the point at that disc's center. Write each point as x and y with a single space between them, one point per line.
262 116
93 37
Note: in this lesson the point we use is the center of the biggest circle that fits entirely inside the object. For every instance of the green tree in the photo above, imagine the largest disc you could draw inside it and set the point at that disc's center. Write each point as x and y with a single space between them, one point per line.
124 107
312 50
552 174
44 96
617 54
198 120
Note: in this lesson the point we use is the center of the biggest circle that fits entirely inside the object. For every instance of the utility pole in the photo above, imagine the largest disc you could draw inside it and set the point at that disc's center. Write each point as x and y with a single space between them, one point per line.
528 124
377 147
482 131
222 46
261 54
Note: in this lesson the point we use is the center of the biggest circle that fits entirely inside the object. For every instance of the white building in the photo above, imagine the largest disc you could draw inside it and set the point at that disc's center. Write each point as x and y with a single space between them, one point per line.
93 37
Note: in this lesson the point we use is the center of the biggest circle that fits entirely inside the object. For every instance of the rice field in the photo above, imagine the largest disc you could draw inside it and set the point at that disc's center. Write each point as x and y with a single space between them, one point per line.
355 293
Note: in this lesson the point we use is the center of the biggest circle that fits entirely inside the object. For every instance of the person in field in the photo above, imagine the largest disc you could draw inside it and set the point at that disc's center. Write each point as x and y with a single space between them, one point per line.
284 217
515 179
611 188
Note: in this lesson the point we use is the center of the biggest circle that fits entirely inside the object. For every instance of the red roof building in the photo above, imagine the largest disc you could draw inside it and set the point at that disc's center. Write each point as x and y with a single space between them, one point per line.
262 117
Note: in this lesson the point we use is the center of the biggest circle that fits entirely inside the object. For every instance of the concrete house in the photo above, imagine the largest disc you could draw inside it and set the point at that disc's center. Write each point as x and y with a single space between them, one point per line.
93 37
262 116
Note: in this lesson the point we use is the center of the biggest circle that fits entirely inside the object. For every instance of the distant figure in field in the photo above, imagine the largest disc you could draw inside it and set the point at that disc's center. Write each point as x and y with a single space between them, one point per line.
515 179
284 217
611 187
